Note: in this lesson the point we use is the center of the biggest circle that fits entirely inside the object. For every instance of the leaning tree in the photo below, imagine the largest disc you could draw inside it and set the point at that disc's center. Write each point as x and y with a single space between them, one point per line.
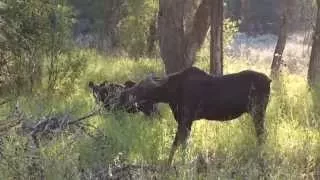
314 65
182 28
282 38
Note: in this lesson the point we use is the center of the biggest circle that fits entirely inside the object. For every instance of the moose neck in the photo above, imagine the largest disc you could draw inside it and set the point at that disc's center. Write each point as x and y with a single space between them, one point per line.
160 94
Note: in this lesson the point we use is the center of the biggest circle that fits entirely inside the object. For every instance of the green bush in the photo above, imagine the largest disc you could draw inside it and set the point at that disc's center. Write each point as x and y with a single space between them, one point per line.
135 27
32 31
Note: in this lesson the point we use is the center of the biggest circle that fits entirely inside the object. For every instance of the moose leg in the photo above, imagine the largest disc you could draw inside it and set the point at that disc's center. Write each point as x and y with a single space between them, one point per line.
257 112
181 137
258 119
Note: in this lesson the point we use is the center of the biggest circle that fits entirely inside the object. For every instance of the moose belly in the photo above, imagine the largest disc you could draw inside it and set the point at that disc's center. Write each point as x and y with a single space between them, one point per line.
221 113
222 117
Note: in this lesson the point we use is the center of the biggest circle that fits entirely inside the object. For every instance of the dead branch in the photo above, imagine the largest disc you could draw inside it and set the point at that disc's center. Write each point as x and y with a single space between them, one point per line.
51 125
84 117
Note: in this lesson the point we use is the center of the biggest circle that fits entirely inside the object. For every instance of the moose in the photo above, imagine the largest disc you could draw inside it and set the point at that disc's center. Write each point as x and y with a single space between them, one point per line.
192 94
107 94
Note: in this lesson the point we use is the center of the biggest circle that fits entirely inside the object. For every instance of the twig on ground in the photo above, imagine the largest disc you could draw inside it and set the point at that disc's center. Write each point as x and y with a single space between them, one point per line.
51 125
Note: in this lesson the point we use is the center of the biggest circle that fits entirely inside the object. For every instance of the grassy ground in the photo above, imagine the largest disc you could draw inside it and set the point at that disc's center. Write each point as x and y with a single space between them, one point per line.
215 151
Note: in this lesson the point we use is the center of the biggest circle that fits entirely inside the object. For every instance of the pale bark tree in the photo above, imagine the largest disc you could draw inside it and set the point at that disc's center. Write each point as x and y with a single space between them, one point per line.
181 33
216 42
282 39
314 65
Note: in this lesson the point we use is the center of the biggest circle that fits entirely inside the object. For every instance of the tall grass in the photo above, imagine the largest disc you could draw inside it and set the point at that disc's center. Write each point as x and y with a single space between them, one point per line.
228 149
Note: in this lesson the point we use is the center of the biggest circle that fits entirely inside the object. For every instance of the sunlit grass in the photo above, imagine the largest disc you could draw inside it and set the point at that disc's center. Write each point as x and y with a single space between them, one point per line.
291 150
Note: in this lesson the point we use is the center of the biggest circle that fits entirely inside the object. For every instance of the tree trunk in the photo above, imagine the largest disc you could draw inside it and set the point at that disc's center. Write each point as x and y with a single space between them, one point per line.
281 43
216 43
314 65
179 43
152 37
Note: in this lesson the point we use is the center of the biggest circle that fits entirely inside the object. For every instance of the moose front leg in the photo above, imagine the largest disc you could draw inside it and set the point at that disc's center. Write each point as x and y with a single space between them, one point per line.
181 137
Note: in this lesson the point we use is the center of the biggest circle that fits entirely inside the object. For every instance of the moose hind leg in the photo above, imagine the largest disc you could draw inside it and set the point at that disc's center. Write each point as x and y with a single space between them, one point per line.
257 112
181 137
259 123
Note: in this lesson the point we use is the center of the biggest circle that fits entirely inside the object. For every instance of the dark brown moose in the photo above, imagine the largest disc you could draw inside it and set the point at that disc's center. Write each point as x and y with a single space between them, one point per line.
193 94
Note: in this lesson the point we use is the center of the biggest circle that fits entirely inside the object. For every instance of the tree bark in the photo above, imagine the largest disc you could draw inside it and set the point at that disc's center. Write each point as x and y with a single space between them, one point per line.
179 43
216 43
281 43
314 65
152 37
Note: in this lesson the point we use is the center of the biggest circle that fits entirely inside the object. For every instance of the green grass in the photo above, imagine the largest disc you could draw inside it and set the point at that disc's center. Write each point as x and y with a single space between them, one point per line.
290 152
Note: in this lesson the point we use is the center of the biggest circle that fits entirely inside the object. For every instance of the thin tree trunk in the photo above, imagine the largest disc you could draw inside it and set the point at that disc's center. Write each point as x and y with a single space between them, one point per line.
216 43
195 38
178 46
281 43
114 12
314 65
244 14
